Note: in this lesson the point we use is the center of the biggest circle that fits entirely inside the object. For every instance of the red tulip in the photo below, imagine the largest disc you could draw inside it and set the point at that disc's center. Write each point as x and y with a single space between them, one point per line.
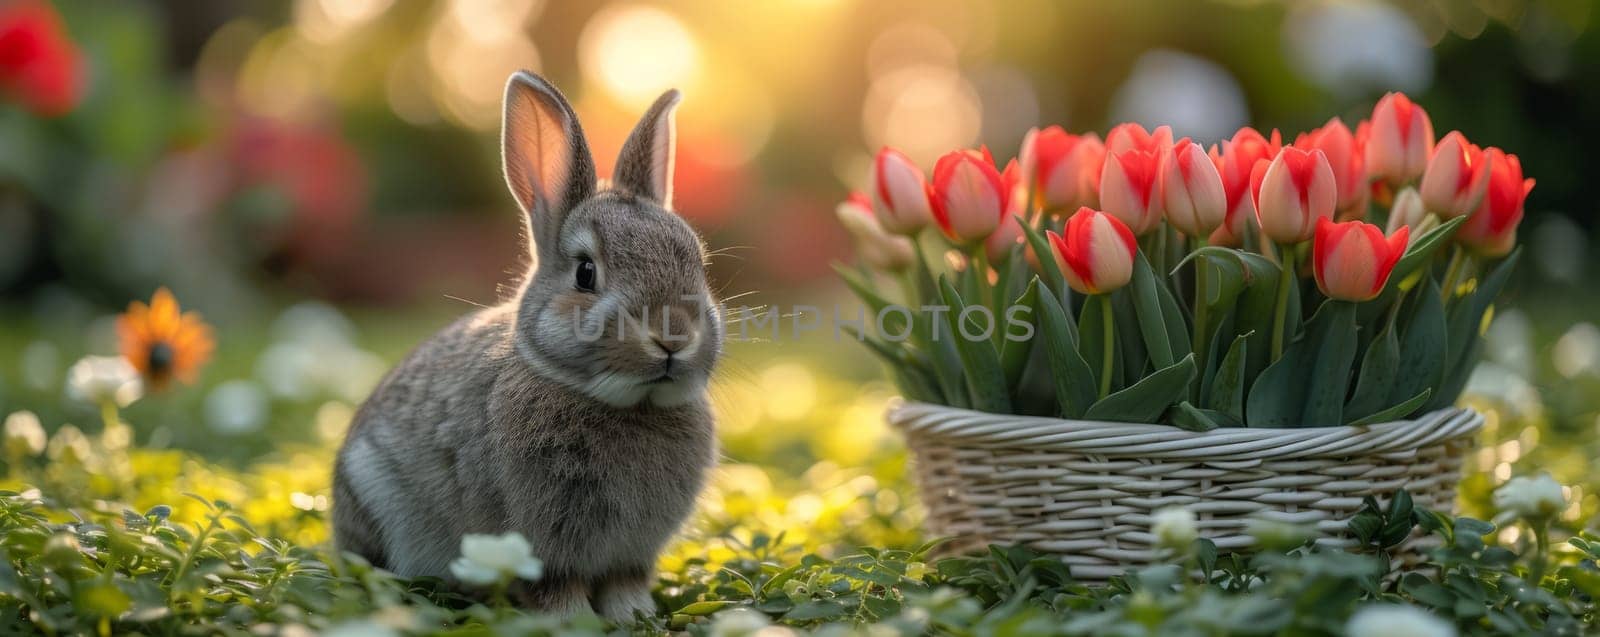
1349 167
1095 252
1129 188
1009 233
39 66
1295 190
1456 177
968 195
1492 228
1400 140
1352 260
1066 168
1191 190
878 248
1131 136
1407 211
1236 161
900 193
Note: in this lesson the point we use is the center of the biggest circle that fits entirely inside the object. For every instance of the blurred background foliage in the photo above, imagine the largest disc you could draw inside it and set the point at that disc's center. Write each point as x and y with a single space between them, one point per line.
320 179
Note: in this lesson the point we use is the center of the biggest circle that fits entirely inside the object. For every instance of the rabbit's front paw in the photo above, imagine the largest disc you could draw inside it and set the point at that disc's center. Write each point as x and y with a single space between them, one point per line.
621 597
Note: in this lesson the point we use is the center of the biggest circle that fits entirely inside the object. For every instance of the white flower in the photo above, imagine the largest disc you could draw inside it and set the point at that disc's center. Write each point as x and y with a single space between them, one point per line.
24 436
1531 498
104 379
1174 527
69 445
486 559
1396 620
738 622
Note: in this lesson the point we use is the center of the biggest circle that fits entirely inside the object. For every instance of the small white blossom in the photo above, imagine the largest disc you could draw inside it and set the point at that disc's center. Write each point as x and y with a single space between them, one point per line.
738 622
1174 527
98 380
24 436
487 559
69 445
1531 498
1396 620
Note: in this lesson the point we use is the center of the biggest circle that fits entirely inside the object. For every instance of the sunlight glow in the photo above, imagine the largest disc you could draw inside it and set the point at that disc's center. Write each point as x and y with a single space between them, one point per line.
636 52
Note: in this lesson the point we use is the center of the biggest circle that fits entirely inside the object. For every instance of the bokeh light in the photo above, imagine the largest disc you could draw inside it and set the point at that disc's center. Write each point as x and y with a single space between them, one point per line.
637 51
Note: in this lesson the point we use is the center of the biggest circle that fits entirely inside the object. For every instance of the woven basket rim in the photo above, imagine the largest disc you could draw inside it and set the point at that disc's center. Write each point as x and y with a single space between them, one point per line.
959 427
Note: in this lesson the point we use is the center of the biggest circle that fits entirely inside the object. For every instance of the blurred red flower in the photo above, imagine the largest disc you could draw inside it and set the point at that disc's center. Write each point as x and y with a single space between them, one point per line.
321 176
39 66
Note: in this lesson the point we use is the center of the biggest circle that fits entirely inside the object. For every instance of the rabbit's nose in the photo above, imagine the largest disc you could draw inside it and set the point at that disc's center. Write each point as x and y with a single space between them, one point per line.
676 336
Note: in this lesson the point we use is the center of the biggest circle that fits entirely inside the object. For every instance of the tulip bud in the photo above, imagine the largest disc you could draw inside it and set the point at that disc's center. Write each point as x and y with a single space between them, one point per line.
901 193
1191 190
1128 189
1236 161
1352 260
999 244
1349 167
1067 168
1130 136
968 195
1492 228
877 248
1399 141
1095 252
1296 189
1408 212
1456 178
1009 233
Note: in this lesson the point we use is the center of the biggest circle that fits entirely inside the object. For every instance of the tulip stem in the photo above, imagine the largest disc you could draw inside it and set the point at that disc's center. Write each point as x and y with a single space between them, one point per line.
1110 333
1281 314
1451 273
1202 332
980 270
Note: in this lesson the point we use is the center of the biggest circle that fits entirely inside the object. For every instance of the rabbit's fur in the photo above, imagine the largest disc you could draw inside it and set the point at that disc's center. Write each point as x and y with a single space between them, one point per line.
549 415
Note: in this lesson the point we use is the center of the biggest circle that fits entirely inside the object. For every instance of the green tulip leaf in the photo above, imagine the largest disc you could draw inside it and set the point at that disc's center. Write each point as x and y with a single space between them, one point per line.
1423 343
1465 331
1187 416
1226 392
1375 381
1421 250
1047 262
1397 412
893 322
1329 381
1147 399
1074 380
1014 352
1148 311
979 360
1309 382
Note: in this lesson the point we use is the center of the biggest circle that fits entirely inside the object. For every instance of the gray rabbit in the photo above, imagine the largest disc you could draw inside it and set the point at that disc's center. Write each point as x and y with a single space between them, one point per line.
575 413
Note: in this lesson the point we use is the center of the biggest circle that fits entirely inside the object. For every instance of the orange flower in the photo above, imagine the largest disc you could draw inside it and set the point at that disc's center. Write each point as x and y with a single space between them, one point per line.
163 343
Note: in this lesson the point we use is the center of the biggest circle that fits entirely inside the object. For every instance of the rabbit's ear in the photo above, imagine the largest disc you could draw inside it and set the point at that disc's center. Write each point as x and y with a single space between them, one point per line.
547 161
644 167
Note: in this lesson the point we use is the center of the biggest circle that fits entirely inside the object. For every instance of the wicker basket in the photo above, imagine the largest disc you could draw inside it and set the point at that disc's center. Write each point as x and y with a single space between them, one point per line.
1085 490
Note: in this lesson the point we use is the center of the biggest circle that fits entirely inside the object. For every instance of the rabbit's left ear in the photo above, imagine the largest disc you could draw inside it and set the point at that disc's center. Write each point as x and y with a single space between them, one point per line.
644 167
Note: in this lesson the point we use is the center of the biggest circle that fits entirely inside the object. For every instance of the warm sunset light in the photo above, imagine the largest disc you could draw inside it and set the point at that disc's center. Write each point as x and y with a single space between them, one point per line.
637 51
799 318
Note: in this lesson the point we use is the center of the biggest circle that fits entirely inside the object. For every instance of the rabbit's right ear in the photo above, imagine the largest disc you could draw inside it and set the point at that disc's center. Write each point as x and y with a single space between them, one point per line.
547 160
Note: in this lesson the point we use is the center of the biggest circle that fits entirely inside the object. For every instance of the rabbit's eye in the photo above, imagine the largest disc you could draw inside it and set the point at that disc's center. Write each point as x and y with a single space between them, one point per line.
586 274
